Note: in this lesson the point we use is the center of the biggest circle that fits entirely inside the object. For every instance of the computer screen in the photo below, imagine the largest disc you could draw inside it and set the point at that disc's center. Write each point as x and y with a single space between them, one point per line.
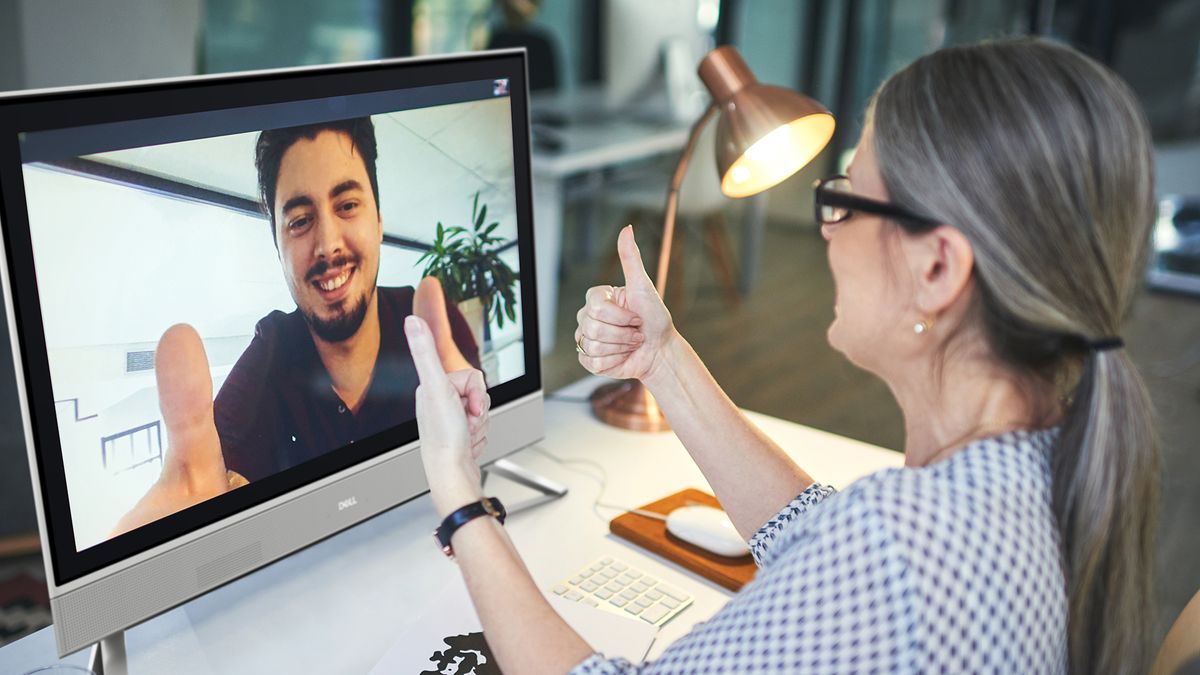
209 278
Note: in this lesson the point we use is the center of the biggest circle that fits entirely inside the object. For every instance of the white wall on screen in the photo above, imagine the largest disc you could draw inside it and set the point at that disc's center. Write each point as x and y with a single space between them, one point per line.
431 162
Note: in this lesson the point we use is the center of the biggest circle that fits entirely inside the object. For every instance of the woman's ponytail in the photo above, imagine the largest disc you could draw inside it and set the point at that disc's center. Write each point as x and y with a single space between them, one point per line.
1105 488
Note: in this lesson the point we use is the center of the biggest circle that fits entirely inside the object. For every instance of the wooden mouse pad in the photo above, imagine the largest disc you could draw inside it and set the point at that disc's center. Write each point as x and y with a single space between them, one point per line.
652 535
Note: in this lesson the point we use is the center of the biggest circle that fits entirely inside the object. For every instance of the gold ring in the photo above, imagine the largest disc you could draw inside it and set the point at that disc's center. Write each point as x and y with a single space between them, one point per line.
579 346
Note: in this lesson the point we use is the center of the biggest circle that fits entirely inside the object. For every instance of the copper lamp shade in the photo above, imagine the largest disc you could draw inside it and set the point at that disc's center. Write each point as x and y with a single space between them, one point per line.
764 135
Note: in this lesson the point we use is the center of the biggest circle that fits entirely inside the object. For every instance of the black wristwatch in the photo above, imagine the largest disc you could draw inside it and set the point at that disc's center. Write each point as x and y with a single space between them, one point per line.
488 506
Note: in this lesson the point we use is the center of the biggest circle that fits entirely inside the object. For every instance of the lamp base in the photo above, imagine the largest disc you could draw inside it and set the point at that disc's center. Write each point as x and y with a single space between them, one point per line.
628 405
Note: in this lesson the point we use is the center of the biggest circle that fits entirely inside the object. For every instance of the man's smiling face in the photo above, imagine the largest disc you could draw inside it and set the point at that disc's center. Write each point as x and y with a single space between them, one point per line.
329 233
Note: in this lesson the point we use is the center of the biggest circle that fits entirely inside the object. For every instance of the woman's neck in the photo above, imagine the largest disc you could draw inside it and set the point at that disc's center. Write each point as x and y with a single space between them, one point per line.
944 411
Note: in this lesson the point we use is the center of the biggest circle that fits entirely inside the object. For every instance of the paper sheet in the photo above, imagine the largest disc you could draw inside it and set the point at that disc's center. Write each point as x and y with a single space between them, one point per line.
446 636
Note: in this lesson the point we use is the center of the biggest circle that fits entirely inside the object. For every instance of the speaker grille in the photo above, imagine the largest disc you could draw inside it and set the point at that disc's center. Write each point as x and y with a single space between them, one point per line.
217 571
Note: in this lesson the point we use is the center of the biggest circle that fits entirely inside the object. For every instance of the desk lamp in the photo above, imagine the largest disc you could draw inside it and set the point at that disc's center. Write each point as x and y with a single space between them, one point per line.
764 135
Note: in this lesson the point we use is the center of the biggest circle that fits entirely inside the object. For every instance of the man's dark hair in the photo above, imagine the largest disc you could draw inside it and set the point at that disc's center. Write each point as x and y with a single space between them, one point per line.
273 143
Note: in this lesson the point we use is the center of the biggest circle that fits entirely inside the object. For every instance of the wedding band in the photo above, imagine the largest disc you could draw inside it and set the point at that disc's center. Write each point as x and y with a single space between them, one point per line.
579 346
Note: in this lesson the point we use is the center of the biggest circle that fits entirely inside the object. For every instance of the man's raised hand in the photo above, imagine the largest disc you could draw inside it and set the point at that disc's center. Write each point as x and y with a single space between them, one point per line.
193 467
429 303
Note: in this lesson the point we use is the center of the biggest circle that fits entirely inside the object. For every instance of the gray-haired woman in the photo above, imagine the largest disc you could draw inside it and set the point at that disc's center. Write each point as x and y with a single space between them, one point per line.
985 246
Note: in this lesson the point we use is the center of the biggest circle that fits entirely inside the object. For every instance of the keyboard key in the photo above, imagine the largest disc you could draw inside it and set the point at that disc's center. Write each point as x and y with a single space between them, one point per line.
671 603
613 587
640 587
587 572
607 561
625 579
619 602
654 594
654 613
634 573
634 609
588 587
576 581
603 594
605 575
673 592
628 594
591 601
621 581
644 601
650 580
573 595
620 567
560 589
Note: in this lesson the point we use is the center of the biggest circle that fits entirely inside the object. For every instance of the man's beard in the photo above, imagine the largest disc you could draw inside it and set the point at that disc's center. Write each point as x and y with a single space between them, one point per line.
341 327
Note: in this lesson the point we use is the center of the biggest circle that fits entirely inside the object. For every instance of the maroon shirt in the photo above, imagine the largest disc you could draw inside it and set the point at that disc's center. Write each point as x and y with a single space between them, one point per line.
278 408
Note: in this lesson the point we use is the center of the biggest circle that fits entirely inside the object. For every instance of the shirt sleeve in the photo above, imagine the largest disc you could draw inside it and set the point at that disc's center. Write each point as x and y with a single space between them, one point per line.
838 597
762 544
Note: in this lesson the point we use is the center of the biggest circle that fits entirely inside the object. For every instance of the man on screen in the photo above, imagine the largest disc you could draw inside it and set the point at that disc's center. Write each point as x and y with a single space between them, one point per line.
335 370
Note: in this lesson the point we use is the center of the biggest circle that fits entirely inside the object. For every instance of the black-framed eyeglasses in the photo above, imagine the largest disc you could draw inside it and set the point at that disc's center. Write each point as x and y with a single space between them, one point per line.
833 202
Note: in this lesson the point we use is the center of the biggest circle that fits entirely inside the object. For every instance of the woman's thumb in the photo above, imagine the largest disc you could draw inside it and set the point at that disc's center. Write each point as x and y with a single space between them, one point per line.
631 260
424 353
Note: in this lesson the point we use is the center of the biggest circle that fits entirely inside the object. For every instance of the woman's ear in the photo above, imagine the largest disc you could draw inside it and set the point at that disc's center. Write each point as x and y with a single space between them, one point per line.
941 262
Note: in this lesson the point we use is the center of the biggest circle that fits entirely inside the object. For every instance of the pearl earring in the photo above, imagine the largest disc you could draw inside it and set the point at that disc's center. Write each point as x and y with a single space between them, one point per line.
922 326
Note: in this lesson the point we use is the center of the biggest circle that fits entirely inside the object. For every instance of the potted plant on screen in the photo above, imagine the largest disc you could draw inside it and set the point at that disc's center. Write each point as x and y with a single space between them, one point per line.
467 262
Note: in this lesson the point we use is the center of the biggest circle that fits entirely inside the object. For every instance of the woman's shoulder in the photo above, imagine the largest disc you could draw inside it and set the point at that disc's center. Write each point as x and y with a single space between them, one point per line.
1000 467
996 488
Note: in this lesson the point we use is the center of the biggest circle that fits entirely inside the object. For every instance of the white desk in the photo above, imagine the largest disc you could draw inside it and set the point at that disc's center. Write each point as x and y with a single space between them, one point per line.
335 607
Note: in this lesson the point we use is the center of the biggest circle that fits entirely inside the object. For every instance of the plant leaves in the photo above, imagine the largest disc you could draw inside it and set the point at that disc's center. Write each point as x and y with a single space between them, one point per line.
467 261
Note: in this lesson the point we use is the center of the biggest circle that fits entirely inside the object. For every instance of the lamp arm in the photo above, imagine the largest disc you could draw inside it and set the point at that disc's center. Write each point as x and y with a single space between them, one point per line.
664 256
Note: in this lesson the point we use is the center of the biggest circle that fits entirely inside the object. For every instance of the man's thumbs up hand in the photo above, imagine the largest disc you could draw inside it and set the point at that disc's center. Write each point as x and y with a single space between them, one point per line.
623 330
193 466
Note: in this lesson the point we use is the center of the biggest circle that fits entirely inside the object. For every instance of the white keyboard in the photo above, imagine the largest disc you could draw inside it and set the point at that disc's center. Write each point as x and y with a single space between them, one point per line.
618 587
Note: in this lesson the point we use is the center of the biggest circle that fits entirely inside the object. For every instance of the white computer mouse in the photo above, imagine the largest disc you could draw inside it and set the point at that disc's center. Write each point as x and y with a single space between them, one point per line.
709 528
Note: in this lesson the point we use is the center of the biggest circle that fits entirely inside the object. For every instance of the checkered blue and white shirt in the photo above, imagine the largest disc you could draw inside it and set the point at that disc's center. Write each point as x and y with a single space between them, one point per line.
954 568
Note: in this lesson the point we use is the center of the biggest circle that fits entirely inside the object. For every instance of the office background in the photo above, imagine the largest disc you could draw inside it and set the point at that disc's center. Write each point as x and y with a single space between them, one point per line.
835 50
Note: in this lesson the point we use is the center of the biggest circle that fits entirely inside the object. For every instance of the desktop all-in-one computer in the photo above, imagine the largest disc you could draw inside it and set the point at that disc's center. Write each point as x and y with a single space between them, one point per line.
206 281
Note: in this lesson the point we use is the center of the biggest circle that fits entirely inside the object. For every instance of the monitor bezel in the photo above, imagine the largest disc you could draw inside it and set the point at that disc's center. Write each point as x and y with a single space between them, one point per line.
85 106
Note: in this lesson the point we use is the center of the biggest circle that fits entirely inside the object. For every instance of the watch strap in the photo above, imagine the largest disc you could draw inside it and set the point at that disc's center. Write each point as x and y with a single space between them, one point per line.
488 506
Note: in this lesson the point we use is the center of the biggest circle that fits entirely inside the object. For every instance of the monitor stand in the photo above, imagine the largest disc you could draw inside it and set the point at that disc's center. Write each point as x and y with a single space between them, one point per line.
108 656
521 475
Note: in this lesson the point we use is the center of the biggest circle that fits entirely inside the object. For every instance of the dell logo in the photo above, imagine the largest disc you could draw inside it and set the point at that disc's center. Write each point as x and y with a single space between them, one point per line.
347 503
